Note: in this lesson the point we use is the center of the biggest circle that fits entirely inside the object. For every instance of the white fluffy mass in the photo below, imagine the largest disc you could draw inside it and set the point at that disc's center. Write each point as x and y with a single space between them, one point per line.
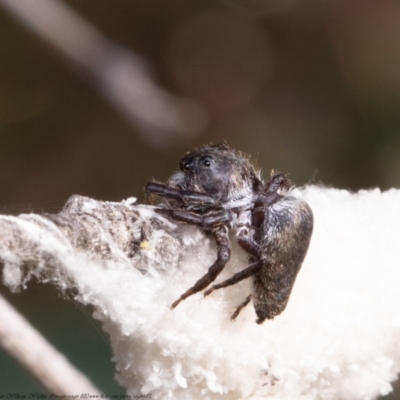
339 337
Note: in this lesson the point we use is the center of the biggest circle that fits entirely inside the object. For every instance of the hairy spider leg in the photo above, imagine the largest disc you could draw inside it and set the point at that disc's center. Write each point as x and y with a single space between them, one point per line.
252 248
240 307
269 193
249 245
211 219
235 278
276 182
184 196
223 256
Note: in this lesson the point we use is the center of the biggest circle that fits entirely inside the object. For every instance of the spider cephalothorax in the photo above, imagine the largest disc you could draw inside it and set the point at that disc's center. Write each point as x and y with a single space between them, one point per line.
219 172
218 190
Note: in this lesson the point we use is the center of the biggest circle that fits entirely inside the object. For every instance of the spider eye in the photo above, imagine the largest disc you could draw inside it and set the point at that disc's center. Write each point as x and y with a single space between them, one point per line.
206 161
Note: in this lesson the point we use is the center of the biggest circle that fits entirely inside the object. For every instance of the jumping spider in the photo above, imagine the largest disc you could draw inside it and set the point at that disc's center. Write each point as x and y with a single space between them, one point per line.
218 190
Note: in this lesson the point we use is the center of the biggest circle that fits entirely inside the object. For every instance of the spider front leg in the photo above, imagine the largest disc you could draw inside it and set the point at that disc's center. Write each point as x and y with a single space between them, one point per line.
209 220
223 256
186 197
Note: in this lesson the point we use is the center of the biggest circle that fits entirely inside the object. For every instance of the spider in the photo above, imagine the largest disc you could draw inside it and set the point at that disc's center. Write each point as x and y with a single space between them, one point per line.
218 190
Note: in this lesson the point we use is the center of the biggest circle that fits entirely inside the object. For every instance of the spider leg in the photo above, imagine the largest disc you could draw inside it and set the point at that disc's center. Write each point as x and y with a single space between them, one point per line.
240 307
223 255
235 278
276 182
183 196
249 245
269 193
210 219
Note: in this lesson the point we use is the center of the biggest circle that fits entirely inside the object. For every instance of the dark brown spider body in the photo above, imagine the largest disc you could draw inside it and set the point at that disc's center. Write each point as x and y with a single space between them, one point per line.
284 234
218 190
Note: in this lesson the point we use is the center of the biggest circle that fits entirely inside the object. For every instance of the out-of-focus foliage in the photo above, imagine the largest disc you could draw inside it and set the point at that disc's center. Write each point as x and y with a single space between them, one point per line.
311 88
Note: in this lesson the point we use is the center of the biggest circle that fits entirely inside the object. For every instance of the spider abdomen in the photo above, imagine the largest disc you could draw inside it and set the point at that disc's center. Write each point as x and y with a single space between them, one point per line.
284 237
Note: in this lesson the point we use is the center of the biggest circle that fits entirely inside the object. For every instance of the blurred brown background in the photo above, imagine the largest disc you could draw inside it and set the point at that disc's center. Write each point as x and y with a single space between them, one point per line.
311 88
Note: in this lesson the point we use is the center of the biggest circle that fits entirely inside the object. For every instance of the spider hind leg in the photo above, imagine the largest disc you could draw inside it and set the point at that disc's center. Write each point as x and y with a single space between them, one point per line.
240 307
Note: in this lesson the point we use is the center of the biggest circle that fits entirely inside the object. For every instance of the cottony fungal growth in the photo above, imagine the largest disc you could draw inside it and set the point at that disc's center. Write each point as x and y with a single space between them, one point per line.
218 190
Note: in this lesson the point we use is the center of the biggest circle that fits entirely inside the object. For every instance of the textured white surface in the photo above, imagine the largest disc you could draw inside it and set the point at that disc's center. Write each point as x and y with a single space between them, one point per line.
339 337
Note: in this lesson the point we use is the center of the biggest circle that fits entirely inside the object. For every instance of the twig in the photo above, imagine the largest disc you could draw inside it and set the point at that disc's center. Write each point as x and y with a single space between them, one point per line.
122 75
38 356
